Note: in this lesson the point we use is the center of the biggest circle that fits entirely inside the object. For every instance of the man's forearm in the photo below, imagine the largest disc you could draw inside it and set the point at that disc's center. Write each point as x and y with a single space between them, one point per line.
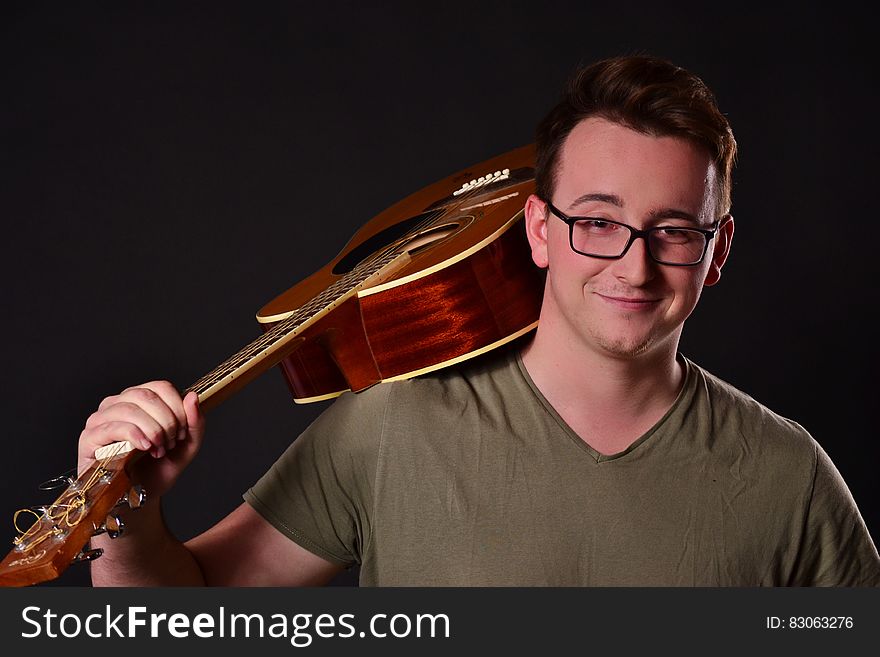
146 555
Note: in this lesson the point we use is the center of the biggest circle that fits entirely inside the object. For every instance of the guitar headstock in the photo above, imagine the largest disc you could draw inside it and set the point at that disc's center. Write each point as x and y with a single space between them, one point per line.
61 533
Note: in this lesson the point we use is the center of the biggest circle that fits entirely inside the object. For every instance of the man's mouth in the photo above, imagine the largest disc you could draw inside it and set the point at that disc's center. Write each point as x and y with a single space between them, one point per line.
628 303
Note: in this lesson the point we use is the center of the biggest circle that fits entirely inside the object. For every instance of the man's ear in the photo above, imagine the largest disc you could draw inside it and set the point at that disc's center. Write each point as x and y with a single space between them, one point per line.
721 249
536 229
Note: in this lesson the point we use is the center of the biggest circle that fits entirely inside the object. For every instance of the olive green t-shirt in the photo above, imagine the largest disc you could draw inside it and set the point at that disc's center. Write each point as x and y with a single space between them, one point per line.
469 477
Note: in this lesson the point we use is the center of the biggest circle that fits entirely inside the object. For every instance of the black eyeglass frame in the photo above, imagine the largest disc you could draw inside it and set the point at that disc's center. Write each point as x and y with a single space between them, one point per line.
634 234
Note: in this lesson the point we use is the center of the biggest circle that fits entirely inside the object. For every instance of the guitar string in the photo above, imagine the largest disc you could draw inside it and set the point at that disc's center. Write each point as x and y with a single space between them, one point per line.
73 499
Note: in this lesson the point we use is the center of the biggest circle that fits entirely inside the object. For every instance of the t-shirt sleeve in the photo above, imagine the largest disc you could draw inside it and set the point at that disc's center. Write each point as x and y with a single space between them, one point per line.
319 493
836 549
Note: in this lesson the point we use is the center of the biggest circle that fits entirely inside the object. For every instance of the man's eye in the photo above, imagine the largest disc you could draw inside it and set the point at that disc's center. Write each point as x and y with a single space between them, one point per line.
678 235
598 225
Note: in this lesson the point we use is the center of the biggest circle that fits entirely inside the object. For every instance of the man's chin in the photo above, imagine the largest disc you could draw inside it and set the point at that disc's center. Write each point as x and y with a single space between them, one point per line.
618 347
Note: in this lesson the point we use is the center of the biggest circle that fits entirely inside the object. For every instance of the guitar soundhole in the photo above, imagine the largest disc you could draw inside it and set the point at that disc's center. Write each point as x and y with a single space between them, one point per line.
381 239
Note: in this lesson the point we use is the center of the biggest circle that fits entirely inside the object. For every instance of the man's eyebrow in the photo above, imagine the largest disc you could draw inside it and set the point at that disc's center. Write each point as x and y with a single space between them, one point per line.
617 201
612 199
673 213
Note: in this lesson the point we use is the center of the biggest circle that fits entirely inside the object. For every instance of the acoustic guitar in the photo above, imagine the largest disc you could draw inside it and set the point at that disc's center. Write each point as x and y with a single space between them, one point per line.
441 276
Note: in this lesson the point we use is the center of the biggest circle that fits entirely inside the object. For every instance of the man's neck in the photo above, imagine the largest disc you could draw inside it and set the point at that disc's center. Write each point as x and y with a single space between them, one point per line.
607 399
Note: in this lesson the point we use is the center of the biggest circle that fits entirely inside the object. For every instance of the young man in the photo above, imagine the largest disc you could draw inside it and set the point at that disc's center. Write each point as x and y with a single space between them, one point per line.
594 454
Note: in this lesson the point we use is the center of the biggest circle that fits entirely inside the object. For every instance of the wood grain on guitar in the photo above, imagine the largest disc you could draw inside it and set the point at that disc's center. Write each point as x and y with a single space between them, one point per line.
441 276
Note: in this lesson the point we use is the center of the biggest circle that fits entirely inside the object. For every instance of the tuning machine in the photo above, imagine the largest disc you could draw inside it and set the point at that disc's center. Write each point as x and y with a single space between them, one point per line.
88 555
134 498
112 526
62 481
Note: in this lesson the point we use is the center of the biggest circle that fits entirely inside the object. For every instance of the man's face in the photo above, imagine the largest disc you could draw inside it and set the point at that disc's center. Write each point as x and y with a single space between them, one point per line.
630 306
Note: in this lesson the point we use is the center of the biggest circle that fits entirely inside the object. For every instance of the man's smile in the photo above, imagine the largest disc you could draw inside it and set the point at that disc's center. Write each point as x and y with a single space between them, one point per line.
629 302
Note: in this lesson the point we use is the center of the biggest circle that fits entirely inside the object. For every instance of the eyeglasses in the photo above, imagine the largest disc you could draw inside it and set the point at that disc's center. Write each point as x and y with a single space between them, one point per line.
667 245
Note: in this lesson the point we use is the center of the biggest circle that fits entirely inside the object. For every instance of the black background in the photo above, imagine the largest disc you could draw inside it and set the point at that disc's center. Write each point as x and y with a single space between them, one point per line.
168 168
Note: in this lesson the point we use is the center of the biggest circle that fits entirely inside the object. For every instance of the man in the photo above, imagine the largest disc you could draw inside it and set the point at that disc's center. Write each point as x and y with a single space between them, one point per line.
594 454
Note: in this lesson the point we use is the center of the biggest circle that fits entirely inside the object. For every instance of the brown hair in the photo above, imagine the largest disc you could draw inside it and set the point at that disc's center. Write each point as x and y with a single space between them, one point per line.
650 95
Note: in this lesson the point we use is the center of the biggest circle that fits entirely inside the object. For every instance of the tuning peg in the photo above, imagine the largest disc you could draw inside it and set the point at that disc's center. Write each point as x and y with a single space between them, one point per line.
88 555
55 483
113 526
134 498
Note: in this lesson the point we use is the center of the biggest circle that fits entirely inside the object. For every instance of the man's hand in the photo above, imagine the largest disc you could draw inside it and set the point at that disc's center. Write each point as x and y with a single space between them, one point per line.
243 549
153 418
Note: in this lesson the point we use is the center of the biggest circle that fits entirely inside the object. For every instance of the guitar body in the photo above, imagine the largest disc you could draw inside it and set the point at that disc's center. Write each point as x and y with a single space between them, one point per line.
469 286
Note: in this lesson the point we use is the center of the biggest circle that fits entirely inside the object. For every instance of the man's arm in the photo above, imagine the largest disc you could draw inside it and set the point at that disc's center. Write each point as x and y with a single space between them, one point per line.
836 547
241 550
245 550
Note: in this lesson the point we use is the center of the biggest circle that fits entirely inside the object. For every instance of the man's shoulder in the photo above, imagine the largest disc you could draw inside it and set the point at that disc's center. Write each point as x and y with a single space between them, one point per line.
736 413
452 385
488 369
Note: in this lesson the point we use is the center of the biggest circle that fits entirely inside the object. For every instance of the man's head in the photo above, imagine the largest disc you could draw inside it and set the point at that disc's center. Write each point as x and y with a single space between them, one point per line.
637 150
649 95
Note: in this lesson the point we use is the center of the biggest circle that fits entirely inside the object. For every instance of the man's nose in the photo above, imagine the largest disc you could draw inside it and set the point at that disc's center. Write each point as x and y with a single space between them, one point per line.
636 267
